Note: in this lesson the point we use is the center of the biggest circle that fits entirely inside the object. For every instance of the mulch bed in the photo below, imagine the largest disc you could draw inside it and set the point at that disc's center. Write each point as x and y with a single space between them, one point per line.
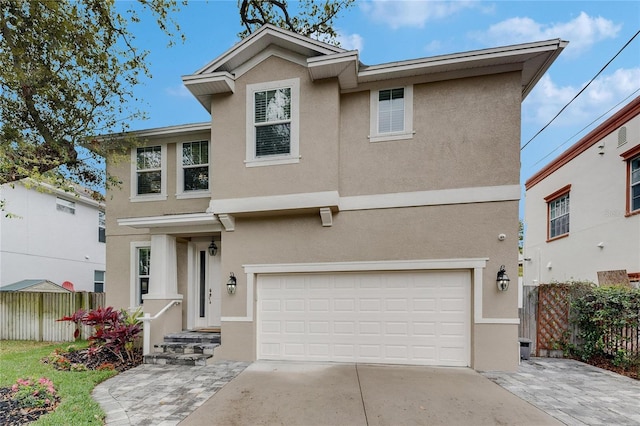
606 364
11 414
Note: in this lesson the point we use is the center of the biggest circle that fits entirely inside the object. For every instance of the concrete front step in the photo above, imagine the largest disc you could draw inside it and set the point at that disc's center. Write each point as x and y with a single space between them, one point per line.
178 359
186 348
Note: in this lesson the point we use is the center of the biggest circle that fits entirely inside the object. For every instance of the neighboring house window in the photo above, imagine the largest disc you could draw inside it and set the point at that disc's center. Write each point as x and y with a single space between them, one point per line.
102 228
149 177
66 206
143 261
634 184
632 158
98 281
273 123
193 170
558 213
391 114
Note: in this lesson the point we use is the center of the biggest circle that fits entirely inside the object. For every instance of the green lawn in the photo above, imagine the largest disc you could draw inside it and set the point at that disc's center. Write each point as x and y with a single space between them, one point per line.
21 359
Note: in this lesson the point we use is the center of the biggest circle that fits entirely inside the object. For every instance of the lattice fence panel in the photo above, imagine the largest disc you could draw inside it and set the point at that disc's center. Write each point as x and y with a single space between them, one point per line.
553 326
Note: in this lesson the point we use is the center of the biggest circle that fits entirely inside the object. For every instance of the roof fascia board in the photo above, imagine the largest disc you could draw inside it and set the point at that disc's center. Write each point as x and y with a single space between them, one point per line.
266 31
167 131
614 122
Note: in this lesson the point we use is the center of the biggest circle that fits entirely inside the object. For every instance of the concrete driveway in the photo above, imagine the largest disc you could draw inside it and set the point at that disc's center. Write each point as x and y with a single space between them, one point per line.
277 393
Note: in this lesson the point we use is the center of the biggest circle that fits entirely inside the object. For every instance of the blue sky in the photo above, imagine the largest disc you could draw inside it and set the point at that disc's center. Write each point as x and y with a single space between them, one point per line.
386 31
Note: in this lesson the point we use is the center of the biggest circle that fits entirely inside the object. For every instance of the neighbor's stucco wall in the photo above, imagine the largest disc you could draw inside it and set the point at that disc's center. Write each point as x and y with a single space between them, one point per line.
597 215
40 242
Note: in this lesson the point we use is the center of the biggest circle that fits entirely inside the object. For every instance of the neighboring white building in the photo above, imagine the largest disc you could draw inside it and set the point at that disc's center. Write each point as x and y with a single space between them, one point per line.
582 211
53 235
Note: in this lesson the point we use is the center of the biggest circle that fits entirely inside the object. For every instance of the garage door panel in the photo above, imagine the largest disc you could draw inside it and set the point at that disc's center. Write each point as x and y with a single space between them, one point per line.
396 317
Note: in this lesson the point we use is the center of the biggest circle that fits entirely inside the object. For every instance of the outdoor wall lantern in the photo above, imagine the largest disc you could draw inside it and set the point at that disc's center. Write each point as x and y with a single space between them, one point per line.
213 248
231 284
503 279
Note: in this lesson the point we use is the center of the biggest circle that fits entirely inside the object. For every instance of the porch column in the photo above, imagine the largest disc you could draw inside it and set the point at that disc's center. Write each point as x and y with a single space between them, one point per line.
163 277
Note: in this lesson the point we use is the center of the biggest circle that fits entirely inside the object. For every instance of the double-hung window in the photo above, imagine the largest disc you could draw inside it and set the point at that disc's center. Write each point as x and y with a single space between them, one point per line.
391 114
149 173
193 169
632 159
634 185
558 213
273 123
98 281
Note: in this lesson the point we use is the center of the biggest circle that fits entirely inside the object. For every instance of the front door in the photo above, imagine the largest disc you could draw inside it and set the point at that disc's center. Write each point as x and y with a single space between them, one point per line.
206 286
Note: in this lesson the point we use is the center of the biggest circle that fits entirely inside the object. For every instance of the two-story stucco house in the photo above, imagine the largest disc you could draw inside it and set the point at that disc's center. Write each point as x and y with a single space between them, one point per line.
52 235
583 208
360 213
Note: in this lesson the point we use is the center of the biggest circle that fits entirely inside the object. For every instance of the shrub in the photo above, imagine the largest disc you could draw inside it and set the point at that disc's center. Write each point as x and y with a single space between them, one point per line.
114 330
607 318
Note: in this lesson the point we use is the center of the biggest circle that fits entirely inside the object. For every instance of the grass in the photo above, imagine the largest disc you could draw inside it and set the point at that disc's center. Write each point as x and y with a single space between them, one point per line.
22 359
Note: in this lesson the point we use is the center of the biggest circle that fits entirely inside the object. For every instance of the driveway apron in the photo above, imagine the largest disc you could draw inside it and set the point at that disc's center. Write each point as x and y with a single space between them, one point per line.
279 393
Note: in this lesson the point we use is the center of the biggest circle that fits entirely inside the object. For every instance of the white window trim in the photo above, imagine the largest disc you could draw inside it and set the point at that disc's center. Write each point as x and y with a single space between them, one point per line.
294 155
133 271
134 177
181 194
407 133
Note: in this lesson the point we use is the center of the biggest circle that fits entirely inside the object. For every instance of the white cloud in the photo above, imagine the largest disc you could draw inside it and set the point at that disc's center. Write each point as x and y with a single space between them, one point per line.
581 32
411 13
351 41
178 91
547 99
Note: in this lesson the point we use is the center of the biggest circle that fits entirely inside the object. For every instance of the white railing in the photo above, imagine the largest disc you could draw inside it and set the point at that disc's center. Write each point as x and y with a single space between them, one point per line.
146 325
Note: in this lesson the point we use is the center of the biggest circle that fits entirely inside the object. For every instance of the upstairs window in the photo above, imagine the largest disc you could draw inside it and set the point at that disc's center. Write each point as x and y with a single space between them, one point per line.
558 213
65 206
632 159
102 228
634 185
193 169
272 123
391 114
148 181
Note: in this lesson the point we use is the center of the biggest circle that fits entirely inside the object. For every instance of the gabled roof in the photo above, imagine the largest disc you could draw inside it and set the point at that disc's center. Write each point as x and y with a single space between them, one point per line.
39 285
327 61
613 123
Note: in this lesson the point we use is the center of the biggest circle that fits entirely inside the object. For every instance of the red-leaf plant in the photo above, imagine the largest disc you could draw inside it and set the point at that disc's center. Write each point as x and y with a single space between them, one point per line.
114 330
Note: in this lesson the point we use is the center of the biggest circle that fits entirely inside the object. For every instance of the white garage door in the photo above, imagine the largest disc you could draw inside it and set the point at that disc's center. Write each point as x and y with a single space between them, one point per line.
411 317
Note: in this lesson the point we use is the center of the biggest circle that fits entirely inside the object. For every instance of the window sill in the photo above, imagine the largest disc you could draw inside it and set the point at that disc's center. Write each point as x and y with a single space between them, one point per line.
143 198
633 213
391 137
193 194
272 161
557 237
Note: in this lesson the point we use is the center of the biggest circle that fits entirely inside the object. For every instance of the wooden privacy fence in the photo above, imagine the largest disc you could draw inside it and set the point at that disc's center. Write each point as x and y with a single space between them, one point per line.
32 316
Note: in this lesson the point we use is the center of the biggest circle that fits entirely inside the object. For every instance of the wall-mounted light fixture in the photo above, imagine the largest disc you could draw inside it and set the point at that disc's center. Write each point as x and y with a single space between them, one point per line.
502 280
231 284
213 248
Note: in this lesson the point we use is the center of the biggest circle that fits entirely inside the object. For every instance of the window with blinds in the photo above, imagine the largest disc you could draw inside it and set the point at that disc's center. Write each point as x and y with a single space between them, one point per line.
272 121
195 166
391 110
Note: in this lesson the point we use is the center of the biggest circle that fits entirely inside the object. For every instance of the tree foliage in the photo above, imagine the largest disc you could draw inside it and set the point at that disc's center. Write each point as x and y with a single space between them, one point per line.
67 72
313 18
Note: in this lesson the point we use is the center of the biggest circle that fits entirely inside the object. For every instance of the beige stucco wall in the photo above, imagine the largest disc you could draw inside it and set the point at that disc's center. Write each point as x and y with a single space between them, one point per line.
467 135
319 114
436 232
